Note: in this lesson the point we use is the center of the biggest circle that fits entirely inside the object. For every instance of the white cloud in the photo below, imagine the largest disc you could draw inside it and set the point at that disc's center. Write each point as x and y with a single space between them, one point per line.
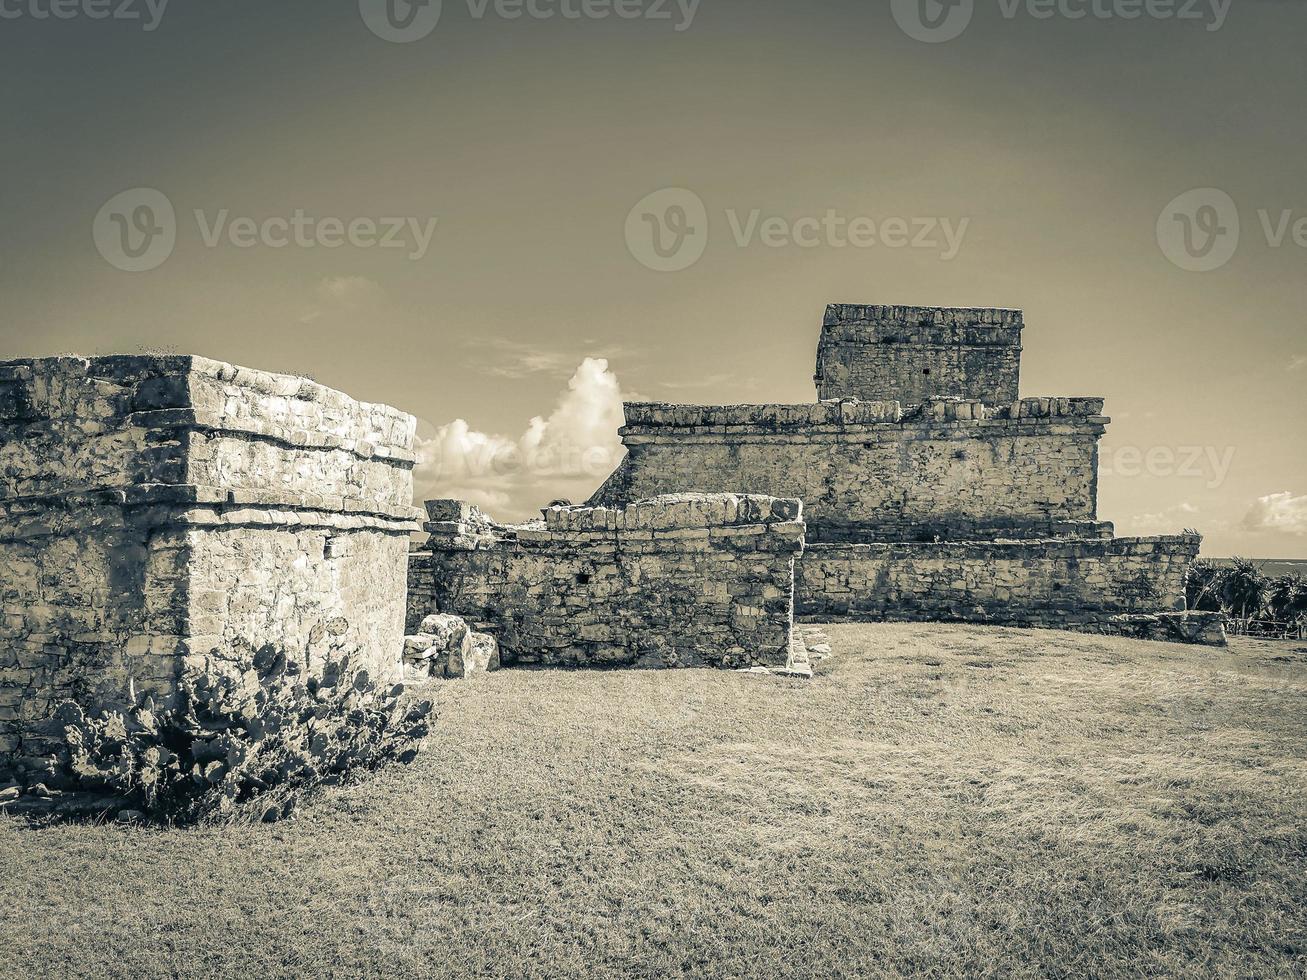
708 381
1282 512
461 462
515 359
350 293
527 363
1297 362
347 290
1171 520
565 454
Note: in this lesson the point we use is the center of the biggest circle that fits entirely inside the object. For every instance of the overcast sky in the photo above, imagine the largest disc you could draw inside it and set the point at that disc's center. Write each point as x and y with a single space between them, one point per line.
1031 160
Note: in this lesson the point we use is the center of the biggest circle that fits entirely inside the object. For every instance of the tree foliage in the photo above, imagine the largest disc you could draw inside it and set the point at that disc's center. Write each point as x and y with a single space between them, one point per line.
1243 592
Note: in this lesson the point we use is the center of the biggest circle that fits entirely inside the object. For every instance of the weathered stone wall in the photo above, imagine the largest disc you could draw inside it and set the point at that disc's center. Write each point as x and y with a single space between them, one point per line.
1056 583
155 509
879 472
914 354
686 581
931 490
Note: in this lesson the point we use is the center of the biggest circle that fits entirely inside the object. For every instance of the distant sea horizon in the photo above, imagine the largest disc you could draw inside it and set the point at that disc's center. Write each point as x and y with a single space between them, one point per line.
1275 566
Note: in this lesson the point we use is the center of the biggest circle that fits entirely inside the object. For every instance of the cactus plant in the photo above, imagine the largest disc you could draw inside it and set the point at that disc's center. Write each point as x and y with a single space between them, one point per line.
243 742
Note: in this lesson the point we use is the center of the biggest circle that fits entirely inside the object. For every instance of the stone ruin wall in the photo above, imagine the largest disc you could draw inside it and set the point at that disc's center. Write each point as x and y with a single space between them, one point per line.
931 490
1055 583
685 581
915 354
952 469
160 511
156 509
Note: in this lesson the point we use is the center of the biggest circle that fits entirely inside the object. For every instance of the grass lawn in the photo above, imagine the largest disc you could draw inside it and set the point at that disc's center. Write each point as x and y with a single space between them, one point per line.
939 800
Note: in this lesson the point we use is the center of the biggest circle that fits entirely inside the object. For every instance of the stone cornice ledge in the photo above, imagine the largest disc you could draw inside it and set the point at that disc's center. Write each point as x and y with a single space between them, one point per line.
219 424
185 495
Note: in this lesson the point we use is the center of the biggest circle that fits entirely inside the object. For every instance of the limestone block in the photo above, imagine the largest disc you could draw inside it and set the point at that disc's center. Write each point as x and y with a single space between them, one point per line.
419 647
456 511
483 656
167 504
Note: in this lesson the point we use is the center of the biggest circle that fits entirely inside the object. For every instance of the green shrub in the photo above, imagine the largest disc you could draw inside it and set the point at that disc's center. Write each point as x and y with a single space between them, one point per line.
244 743
1244 589
1202 585
1287 598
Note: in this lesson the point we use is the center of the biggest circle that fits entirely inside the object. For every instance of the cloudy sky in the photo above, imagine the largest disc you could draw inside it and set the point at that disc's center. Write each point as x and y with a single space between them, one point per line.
434 213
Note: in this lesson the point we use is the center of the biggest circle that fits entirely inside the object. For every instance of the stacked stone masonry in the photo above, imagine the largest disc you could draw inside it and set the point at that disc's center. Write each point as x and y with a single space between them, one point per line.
682 581
1055 583
931 489
160 511
947 469
913 354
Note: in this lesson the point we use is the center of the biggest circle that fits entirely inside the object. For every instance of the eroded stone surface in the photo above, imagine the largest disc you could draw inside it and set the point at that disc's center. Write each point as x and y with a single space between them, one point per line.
687 580
448 633
1205 628
931 489
880 471
913 354
447 647
483 655
1037 583
160 508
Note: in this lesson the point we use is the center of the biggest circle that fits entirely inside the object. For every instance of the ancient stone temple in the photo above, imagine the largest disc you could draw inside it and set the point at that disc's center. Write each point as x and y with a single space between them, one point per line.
163 512
931 490
159 509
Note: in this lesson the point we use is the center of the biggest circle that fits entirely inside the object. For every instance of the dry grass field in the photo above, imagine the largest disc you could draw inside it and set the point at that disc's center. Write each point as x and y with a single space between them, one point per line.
938 801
